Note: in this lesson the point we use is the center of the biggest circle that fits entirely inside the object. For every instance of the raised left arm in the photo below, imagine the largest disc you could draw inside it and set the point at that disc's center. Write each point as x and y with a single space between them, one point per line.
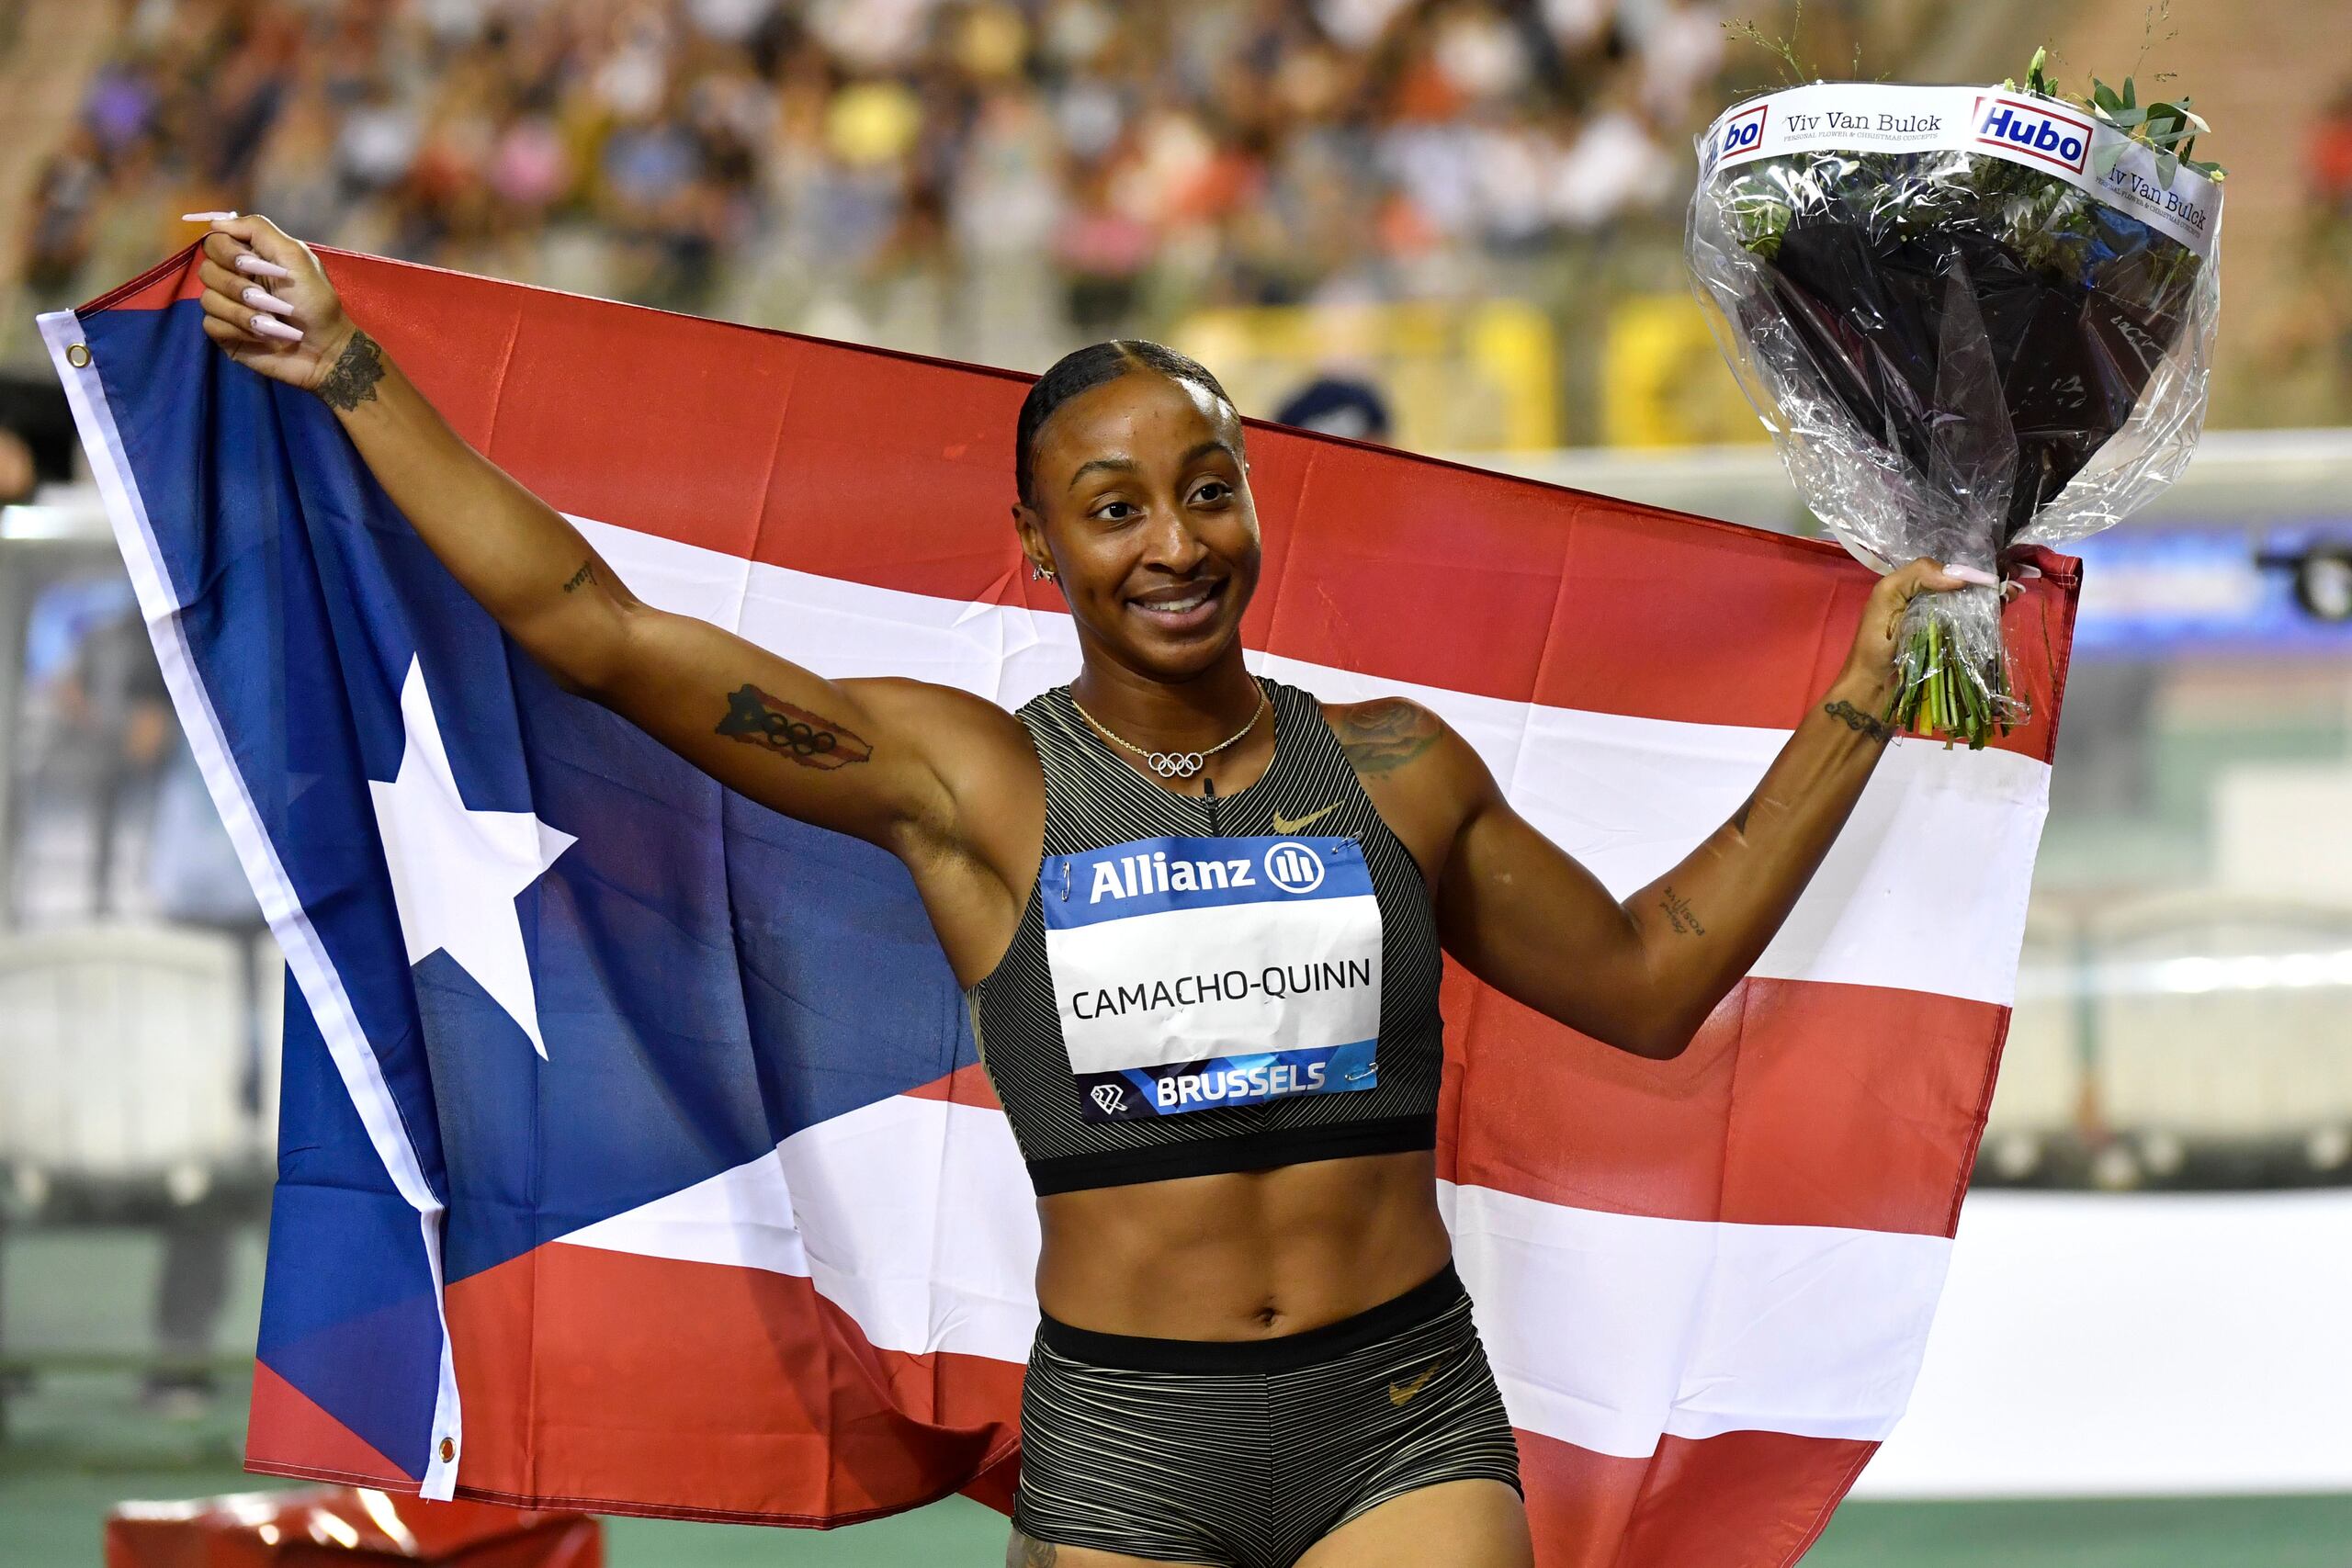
1643 974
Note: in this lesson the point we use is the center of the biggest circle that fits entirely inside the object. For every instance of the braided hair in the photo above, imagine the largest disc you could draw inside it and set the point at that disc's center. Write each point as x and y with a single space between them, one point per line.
1083 371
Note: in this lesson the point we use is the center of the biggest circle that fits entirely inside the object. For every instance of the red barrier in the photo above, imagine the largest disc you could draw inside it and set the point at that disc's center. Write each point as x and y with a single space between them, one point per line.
315 1526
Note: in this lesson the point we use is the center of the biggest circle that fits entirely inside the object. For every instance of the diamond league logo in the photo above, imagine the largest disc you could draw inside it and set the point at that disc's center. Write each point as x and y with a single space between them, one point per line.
1110 1098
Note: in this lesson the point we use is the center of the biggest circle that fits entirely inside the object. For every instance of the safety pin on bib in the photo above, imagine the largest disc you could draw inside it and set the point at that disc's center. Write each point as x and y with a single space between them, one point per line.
1065 879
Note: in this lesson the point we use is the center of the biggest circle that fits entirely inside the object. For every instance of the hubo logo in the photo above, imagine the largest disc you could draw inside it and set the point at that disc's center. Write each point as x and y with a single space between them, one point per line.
2030 129
1742 131
1294 868
1109 1097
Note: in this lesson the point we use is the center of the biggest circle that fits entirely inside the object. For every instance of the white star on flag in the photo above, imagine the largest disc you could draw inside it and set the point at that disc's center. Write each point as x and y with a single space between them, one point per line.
456 871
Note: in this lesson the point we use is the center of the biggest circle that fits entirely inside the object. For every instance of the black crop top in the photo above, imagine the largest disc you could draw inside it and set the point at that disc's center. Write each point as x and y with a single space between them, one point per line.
1203 985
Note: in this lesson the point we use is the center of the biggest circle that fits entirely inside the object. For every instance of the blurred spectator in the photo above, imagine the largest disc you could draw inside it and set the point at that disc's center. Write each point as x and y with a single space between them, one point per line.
2331 156
1338 402
119 718
37 443
900 168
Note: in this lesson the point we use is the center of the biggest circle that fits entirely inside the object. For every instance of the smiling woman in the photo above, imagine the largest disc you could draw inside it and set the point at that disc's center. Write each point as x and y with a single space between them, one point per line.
1198 916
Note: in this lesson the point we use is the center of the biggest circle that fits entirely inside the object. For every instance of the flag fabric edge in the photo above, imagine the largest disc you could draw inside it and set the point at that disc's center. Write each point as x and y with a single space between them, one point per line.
288 922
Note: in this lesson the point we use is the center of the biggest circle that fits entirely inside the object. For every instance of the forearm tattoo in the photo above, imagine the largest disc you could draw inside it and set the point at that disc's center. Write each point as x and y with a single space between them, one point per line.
353 379
1381 737
1856 719
810 740
1678 913
1739 817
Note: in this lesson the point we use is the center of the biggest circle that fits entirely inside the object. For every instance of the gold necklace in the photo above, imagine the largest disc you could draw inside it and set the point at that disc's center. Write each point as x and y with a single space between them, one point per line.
1173 765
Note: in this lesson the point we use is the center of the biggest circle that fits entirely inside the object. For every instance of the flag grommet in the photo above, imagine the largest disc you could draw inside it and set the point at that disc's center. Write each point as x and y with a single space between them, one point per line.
448 1449
77 355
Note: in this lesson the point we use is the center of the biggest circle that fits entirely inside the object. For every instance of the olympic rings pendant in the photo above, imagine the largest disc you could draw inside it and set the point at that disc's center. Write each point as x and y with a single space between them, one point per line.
1175 764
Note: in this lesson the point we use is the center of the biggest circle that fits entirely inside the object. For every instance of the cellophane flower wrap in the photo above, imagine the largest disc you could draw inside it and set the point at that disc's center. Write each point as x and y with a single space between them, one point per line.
1972 318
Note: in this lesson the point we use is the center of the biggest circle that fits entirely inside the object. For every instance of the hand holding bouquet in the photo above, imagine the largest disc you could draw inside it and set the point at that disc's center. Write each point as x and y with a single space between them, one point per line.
1973 318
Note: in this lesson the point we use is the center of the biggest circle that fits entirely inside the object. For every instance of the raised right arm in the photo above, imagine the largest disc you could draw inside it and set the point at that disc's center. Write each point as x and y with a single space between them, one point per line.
860 757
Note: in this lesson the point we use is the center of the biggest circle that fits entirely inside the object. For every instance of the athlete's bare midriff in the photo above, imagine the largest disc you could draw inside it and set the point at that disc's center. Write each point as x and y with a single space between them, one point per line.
1250 1255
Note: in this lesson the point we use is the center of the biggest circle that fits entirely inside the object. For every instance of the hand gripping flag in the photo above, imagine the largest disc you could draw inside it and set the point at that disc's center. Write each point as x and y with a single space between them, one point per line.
634 1152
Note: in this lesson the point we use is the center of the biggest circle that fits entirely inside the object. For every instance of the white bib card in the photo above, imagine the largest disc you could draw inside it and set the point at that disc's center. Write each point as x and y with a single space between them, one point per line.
1196 973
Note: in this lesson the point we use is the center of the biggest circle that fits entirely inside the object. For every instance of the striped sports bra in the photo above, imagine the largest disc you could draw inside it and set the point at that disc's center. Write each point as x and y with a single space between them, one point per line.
1201 985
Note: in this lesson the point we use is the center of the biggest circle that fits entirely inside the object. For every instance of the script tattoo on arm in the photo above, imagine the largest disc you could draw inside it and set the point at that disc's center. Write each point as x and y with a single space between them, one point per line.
1678 913
756 718
1382 736
353 379
581 578
1854 718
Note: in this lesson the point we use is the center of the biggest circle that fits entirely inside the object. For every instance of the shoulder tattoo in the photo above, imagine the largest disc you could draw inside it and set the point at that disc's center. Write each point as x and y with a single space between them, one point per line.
352 380
756 718
1382 736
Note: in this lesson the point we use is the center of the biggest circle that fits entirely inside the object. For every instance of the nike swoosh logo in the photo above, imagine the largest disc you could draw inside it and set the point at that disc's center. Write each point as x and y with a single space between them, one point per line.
1398 1393
1298 824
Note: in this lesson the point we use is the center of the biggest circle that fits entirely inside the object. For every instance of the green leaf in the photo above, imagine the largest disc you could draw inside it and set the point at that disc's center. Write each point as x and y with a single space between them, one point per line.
2106 157
2168 166
2128 99
2124 119
2103 96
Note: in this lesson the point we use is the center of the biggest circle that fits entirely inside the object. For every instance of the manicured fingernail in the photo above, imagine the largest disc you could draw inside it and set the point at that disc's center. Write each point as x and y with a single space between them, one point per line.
205 217
253 265
270 326
1971 574
263 299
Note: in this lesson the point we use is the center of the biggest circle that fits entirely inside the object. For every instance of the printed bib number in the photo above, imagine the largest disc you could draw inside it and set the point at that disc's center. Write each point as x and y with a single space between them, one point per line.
1191 974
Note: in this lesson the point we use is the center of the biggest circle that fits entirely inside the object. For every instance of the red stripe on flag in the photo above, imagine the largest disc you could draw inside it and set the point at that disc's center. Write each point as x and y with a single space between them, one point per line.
967 1085
287 1433
1799 1103
1739 1500
896 471
620 1383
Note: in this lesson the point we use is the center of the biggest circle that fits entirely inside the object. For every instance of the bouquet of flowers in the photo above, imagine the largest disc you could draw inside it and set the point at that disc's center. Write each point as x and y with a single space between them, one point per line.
1973 318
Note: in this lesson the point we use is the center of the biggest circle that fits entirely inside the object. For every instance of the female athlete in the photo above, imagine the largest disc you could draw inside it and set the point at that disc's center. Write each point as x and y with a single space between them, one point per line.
1197 915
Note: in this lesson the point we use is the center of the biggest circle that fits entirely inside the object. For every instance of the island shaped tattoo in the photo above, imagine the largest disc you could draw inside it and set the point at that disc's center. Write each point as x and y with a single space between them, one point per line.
758 719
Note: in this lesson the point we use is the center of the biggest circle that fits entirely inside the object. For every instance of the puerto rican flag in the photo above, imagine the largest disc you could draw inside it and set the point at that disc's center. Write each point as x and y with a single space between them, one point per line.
635 1155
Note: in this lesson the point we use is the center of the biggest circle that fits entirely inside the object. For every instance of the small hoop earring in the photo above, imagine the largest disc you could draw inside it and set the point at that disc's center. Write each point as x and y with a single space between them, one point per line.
1040 573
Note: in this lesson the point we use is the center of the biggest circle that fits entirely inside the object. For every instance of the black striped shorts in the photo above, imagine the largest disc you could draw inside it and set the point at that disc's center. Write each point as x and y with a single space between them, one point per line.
1245 1453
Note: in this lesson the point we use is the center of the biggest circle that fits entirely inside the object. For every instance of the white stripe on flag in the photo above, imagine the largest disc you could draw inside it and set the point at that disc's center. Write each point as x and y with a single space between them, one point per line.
1608 1331
1605 1330
1924 890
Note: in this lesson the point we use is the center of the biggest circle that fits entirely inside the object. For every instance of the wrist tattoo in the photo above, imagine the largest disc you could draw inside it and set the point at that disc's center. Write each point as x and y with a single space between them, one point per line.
810 740
1856 719
585 575
352 380
1678 913
1382 736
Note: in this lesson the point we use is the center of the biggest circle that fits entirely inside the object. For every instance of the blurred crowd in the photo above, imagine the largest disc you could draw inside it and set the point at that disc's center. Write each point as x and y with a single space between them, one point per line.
881 167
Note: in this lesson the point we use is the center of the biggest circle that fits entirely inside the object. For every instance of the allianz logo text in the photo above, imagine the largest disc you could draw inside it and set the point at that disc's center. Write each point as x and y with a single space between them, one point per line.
1290 866
2025 127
